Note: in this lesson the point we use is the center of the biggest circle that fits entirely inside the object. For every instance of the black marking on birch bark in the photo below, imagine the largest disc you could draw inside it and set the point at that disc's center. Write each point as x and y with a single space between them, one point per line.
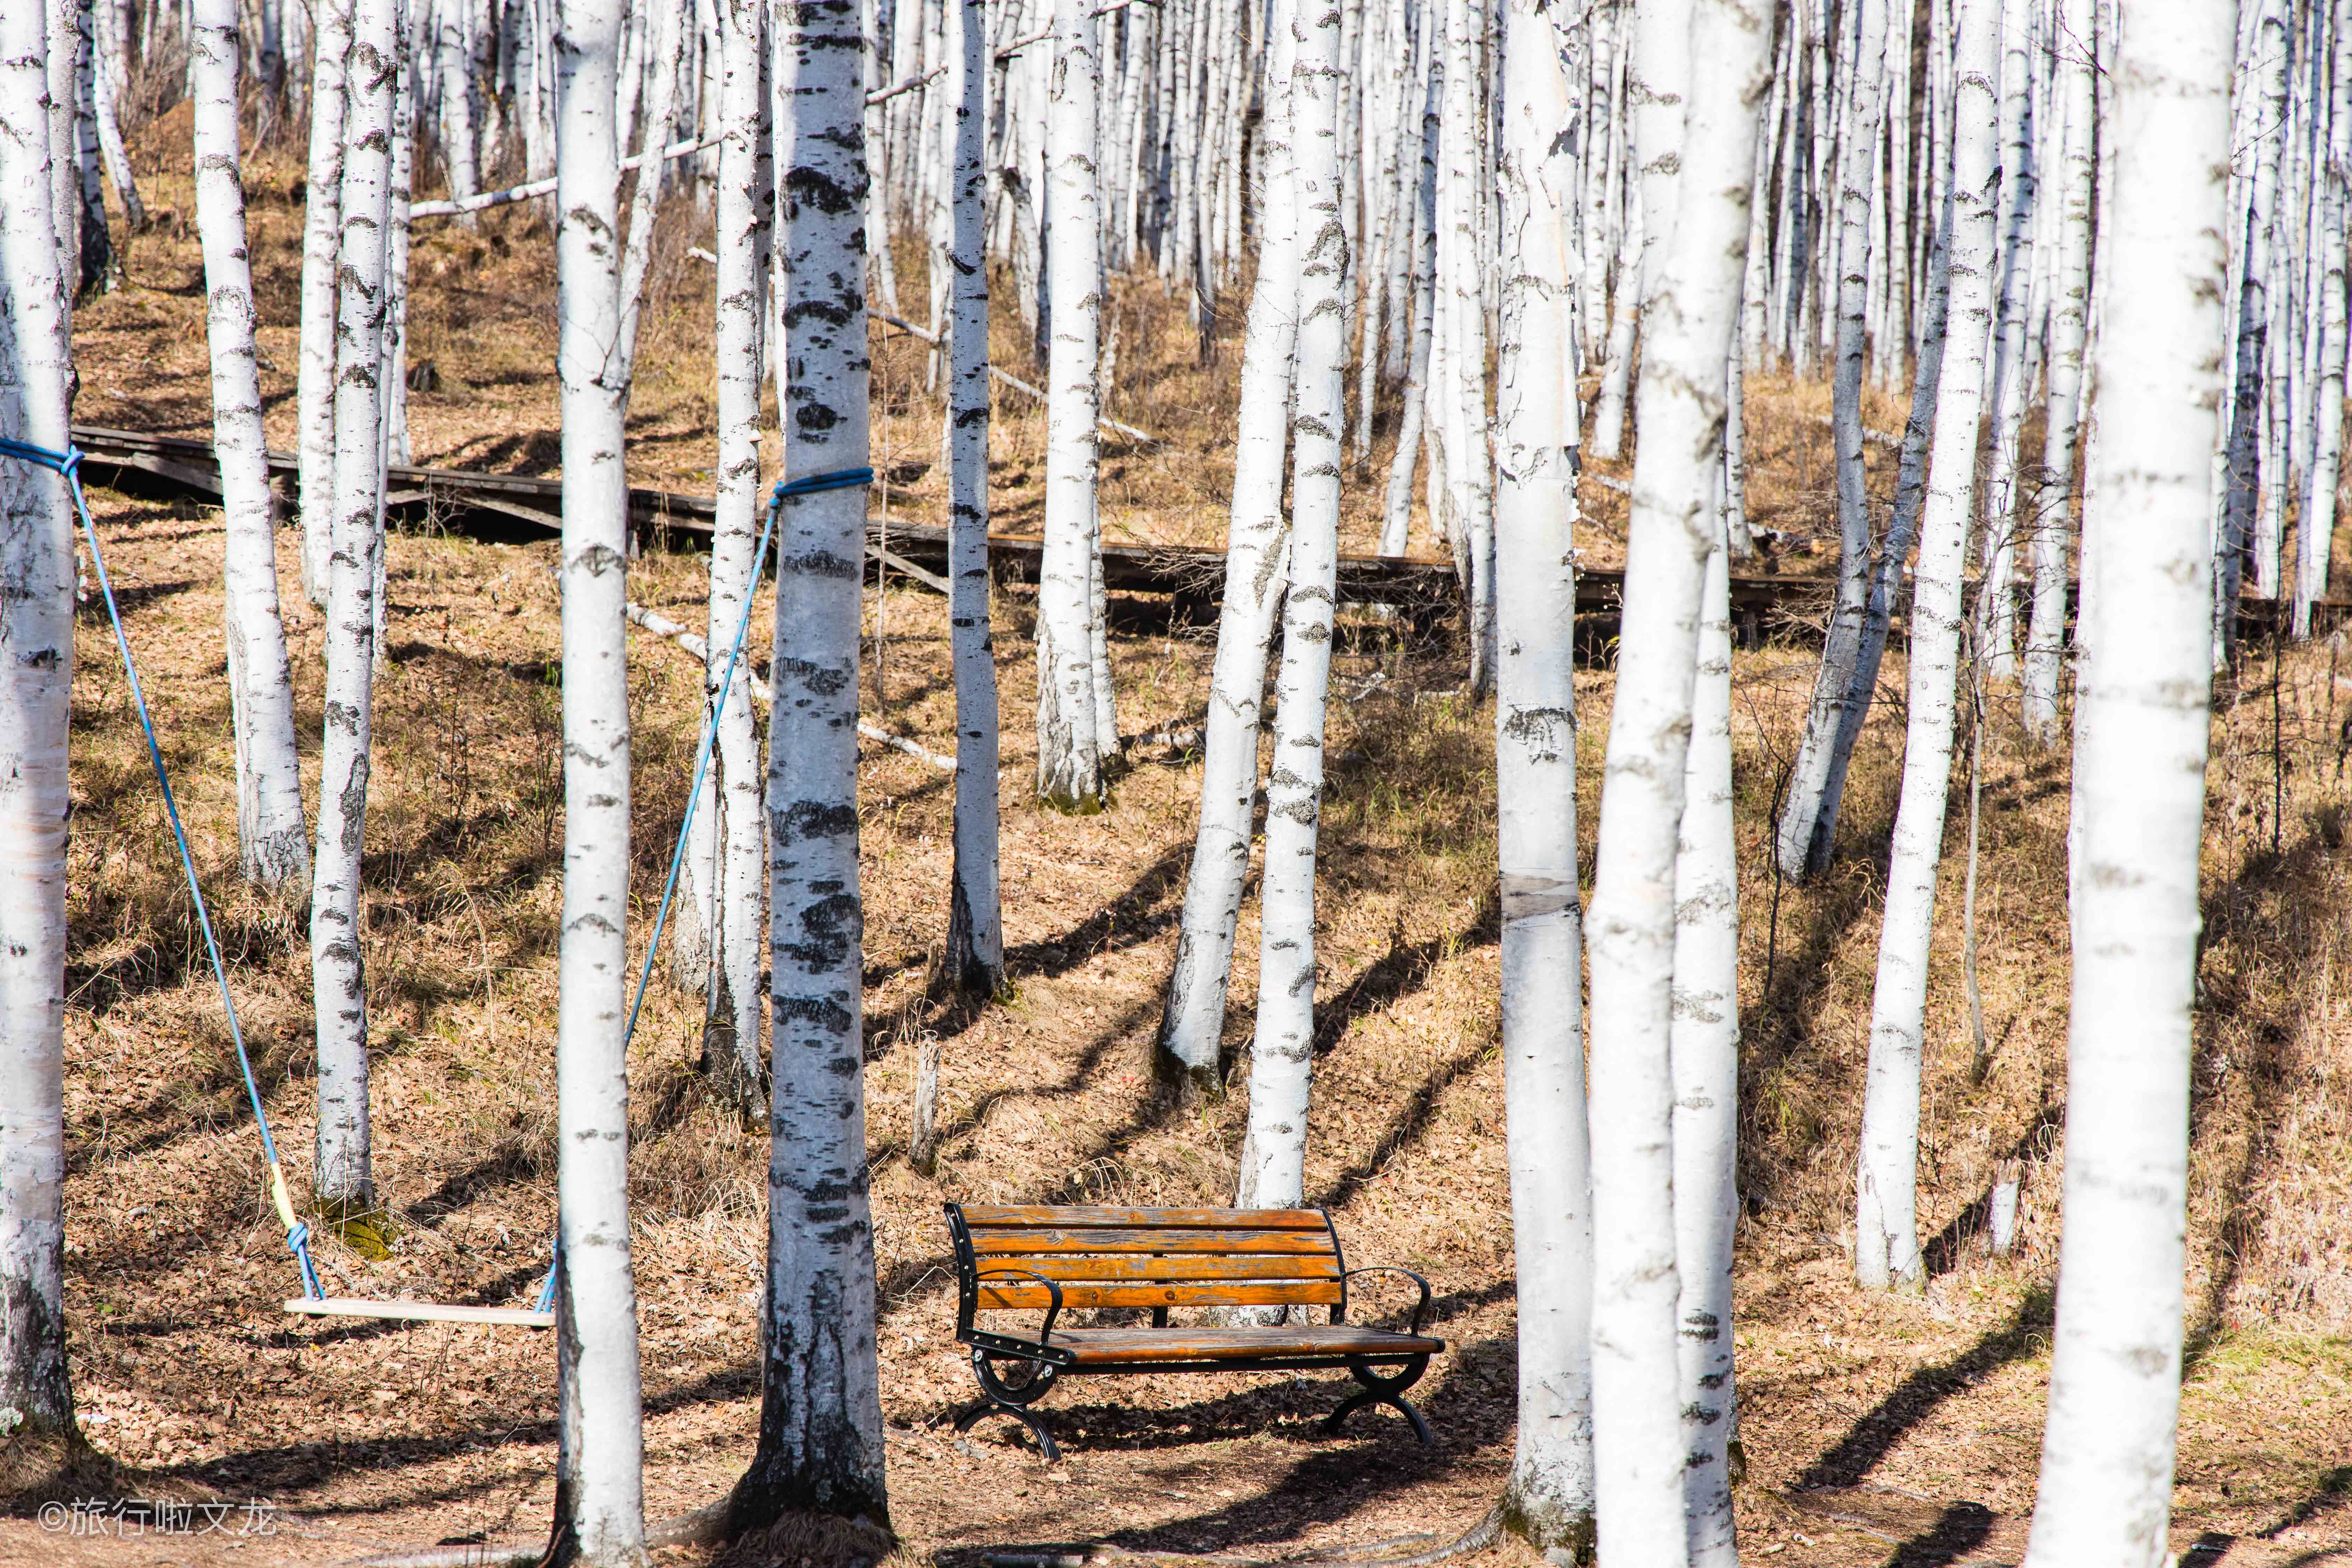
352 801
810 187
34 1330
819 680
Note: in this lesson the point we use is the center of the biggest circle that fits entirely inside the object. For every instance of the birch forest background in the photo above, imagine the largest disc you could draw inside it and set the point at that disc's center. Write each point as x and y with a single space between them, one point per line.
1688 660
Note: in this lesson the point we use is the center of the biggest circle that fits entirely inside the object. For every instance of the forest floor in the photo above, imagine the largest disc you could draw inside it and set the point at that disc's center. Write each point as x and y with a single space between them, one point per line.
1878 1430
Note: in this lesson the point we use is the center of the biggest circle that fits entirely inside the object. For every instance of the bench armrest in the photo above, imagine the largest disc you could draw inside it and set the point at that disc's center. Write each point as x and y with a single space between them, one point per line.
1421 1309
1053 1291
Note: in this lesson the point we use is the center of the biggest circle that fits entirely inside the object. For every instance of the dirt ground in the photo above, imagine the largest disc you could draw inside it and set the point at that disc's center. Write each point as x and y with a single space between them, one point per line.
1877 1430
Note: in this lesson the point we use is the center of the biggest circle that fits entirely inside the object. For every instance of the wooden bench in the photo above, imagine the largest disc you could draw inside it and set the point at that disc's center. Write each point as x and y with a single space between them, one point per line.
1067 1259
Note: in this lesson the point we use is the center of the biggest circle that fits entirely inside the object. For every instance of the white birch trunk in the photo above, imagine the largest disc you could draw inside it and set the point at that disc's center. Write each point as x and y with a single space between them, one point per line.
820 1442
64 165
2070 319
1705 1046
1549 1497
1282 1052
271 835
599 1480
36 577
1257 545
1469 480
1887 1233
1397 511
102 267
341 1172
1724 69
975 915
669 34
1607 436
452 63
725 939
1996 600
1071 750
2140 743
112 70
322 223
1807 825
1600 157
2236 533
2316 524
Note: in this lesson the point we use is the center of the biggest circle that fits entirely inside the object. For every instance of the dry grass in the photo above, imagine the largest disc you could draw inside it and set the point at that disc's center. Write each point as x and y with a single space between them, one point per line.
1877 1430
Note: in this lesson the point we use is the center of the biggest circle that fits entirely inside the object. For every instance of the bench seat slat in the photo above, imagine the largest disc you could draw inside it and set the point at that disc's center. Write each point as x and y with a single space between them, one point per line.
1195 1266
1263 1293
981 1216
1095 1347
1014 1243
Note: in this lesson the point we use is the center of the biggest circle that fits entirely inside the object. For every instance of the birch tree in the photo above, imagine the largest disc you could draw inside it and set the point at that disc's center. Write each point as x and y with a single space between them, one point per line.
36 579
1997 599
1549 1498
1886 1235
316 381
1257 547
729 860
1806 828
820 1443
1282 1051
340 1173
1693 309
2245 437
975 953
1469 483
2317 523
1071 752
1397 512
2140 734
271 833
1704 1049
2070 319
600 1511
60 57
113 69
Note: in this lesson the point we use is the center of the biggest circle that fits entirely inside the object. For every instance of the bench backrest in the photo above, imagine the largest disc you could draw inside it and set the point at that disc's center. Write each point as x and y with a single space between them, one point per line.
1104 1257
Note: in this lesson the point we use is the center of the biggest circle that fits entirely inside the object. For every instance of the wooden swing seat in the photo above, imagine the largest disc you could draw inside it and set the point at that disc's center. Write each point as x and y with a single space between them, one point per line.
418 1311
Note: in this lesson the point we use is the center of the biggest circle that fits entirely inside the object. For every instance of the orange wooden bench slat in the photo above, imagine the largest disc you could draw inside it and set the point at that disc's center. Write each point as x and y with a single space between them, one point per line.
1203 1267
1121 1346
1015 1243
995 1296
989 1216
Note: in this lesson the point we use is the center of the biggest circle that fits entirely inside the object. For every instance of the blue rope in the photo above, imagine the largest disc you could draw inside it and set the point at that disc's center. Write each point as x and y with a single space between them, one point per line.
68 464
807 485
817 484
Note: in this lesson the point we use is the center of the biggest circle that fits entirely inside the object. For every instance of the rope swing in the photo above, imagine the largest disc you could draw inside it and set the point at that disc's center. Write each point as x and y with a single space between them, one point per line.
314 1301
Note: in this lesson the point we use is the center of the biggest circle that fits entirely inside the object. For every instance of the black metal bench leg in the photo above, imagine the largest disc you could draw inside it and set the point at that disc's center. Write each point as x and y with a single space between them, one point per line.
999 1399
1389 1391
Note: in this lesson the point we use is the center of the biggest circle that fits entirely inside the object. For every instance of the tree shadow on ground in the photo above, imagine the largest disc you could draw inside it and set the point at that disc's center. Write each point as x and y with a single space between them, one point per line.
1345 1474
1964 1527
1945 1249
1876 1433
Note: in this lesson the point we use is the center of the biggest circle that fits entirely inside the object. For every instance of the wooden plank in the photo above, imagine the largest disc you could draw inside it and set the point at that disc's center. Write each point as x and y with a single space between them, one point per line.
1016 1243
1096 1346
1203 1267
904 567
1272 1293
419 1312
1065 1217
